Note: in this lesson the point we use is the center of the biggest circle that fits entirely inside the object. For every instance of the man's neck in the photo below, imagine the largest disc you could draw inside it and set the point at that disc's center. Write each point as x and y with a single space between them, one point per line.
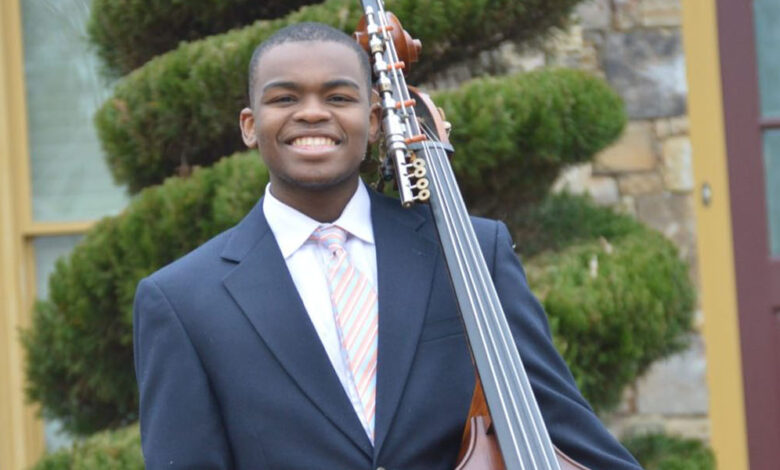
322 205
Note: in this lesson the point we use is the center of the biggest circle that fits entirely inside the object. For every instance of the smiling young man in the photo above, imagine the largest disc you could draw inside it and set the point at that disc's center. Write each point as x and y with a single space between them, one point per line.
321 332
311 117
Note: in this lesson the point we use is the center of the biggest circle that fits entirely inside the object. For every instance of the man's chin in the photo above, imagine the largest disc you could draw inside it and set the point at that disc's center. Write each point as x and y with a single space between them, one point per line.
321 183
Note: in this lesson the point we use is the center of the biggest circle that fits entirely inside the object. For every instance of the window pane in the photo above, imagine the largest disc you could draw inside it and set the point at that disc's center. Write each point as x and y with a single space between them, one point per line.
767 16
70 179
47 251
772 171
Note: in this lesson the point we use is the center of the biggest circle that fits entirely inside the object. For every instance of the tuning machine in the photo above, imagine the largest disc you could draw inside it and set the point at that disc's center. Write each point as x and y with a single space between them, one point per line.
417 173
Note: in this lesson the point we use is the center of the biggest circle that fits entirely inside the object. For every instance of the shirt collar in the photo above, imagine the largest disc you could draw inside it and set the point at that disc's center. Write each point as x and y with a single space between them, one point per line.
292 228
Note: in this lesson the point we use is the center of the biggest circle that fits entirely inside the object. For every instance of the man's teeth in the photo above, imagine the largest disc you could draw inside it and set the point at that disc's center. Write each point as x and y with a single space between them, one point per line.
313 142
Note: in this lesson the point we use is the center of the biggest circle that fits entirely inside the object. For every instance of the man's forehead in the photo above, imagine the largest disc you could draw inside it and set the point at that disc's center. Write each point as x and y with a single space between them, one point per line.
307 57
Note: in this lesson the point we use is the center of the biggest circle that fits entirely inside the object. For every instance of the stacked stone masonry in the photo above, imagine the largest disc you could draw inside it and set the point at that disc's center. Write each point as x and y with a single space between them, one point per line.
638 49
636 46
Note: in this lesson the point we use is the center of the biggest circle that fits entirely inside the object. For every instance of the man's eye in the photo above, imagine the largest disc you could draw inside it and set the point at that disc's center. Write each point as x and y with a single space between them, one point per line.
341 99
281 99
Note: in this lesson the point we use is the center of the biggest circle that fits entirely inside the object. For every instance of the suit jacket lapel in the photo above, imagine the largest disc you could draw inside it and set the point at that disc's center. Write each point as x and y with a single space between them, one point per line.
265 291
405 264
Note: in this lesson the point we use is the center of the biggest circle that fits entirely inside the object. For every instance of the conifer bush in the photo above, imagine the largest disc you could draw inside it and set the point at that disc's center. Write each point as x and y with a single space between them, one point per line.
657 451
127 33
121 450
561 220
80 358
180 109
515 132
512 135
80 345
616 293
109 450
615 305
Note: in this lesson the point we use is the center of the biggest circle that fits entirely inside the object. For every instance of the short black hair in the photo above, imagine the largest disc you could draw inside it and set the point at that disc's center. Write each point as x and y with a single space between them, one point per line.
304 32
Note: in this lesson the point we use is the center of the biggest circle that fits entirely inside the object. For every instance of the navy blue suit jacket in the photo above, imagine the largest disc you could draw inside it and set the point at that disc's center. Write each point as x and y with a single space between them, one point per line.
232 373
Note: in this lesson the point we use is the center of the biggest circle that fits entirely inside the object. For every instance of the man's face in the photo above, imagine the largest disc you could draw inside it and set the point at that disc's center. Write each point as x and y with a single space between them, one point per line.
312 118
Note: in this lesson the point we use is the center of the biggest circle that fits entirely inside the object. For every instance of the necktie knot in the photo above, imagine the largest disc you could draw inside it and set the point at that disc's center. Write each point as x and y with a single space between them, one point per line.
331 237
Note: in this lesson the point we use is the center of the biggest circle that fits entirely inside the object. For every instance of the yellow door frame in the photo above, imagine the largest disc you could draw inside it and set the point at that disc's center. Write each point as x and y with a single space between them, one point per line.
21 429
714 241
24 442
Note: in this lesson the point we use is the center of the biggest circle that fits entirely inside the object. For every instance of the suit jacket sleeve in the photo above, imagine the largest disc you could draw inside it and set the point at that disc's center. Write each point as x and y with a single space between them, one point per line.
181 426
572 424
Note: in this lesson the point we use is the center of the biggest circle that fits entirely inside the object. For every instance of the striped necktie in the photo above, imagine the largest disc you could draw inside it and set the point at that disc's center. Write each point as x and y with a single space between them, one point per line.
354 302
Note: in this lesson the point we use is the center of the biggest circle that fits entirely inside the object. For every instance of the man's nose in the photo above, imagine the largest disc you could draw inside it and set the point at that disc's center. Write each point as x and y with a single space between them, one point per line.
312 109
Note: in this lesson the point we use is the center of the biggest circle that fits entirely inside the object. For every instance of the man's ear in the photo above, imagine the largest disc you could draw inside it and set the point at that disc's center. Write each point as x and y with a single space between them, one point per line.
374 118
246 120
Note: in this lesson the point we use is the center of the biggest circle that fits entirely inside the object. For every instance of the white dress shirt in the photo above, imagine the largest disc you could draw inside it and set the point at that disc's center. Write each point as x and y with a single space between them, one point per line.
307 260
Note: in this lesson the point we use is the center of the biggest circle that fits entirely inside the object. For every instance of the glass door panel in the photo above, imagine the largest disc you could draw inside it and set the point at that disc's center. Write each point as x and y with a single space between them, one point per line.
767 19
47 251
70 179
772 174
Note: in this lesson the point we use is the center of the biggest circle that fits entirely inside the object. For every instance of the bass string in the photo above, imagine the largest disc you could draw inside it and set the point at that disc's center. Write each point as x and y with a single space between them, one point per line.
492 313
493 319
477 304
456 240
505 385
496 316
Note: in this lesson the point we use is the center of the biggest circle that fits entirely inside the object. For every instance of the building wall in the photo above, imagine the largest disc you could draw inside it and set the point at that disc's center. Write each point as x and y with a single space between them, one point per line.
636 45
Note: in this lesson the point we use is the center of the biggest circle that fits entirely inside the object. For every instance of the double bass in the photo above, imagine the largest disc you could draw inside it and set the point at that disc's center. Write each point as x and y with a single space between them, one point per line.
504 429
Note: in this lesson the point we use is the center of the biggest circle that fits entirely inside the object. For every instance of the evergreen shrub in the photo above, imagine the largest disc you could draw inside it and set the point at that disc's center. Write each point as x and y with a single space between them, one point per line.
108 450
563 219
615 305
80 342
663 452
80 359
121 450
512 135
181 108
127 33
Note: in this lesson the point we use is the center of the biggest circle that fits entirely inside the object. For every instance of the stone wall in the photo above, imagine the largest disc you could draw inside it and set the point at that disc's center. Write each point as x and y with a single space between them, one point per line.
636 46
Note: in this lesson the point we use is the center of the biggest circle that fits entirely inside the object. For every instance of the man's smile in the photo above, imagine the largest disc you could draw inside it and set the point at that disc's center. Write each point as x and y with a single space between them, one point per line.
313 145
320 142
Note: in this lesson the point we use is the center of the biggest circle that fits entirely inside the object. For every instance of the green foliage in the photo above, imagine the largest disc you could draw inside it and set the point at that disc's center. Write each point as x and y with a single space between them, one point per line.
662 452
121 450
563 219
80 360
615 305
109 450
127 33
80 343
182 108
512 135
617 295
60 460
